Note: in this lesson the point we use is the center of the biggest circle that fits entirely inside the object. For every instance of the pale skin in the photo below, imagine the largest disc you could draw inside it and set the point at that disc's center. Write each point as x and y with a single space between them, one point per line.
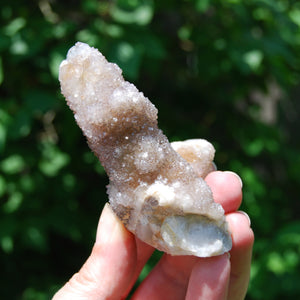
118 257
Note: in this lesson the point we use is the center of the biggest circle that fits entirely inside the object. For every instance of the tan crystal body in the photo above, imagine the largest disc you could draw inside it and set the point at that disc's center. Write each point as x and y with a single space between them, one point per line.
156 193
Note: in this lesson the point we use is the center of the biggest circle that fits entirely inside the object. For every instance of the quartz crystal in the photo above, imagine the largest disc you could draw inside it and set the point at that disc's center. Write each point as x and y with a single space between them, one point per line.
157 193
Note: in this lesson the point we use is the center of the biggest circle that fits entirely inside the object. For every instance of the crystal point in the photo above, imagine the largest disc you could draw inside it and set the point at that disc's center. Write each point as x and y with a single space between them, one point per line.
157 193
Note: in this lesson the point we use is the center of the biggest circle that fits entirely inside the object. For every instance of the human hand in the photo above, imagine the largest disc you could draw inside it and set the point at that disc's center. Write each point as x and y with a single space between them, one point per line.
118 257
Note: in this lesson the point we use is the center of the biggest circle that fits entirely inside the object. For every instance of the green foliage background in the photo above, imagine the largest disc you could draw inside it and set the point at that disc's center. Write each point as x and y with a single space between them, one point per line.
224 70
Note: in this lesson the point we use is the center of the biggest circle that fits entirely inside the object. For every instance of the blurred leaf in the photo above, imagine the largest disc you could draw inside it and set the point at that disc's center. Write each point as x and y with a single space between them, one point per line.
201 63
1 71
21 124
36 238
4 123
87 36
61 29
290 234
90 6
128 57
7 244
53 160
12 164
39 101
55 59
4 41
112 30
19 46
295 16
14 26
140 12
13 203
254 148
253 59
202 5
2 186
31 293
27 183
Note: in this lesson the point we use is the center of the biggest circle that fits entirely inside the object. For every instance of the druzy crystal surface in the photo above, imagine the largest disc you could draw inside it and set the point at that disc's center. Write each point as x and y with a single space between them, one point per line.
157 193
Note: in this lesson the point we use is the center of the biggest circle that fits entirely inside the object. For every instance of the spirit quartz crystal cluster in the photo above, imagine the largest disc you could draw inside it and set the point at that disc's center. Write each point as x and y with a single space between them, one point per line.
155 187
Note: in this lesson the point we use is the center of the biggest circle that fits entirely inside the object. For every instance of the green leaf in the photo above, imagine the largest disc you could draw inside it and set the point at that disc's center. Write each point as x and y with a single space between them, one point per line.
254 59
141 14
295 16
282 262
40 101
19 46
14 26
13 164
20 125
2 186
55 59
7 244
14 202
35 237
53 160
30 293
88 36
1 71
202 5
128 57
4 124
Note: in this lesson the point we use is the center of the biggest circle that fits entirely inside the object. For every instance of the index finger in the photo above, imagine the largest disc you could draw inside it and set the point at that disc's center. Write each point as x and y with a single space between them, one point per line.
226 188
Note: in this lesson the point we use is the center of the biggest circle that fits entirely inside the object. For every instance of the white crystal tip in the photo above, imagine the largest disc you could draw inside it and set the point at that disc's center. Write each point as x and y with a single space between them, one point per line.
195 235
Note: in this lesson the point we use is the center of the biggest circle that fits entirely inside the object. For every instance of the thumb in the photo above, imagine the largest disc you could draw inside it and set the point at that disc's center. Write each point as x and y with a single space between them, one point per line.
110 267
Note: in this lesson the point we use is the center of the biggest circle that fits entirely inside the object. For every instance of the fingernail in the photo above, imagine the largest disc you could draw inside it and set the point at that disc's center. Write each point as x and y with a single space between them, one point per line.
237 176
246 215
109 227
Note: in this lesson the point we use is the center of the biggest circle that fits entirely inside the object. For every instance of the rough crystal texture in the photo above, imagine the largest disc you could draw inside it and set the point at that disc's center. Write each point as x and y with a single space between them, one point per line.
155 192
198 153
